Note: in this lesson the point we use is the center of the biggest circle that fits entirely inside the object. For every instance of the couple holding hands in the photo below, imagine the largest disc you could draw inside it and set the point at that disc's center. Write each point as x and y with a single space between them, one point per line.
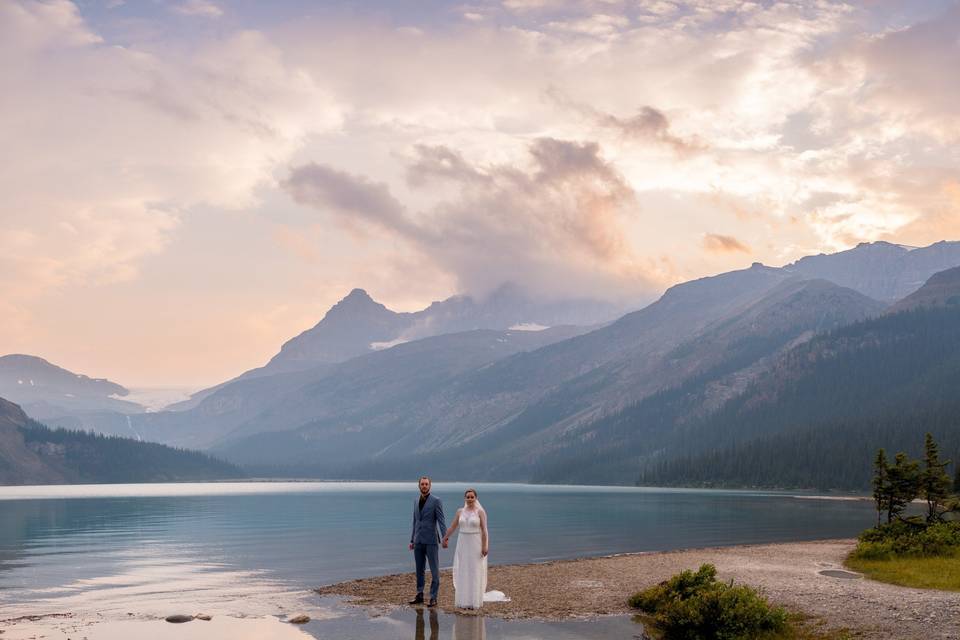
470 556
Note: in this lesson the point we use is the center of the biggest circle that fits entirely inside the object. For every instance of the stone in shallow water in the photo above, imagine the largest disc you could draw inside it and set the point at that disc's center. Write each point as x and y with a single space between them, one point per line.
179 617
300 619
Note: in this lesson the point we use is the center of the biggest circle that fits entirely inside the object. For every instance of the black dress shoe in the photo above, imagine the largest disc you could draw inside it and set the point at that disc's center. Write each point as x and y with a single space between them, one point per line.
418 599
433 602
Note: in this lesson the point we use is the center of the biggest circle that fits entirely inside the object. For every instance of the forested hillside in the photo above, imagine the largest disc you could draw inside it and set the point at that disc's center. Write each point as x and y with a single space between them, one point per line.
827 406
31 453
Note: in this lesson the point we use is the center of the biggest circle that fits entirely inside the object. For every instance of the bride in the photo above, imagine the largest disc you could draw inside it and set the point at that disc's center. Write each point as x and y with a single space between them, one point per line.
470 556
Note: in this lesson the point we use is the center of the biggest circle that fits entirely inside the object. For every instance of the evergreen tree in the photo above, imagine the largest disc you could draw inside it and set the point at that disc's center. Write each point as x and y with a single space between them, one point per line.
881 482
904 485
934 481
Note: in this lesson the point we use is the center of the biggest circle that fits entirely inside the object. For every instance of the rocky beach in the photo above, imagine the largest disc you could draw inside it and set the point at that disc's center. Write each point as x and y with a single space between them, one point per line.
805 577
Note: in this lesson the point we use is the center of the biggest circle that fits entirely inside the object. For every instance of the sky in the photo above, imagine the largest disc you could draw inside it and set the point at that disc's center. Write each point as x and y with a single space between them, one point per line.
187 184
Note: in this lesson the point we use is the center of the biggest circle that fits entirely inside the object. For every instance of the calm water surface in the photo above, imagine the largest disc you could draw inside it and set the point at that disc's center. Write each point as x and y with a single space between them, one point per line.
257 548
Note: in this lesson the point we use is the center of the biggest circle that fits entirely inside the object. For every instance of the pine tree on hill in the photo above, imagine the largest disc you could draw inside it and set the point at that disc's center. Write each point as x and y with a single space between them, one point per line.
881 483
934 480
904 485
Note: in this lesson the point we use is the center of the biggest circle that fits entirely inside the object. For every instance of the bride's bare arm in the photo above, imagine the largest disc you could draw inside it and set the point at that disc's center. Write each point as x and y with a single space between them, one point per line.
452 528
485 539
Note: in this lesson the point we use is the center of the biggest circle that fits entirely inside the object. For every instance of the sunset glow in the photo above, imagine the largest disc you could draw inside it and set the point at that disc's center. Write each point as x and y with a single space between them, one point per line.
186 185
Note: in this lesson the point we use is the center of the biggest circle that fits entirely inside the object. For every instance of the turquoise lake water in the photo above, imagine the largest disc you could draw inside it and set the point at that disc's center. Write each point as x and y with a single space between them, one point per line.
257 548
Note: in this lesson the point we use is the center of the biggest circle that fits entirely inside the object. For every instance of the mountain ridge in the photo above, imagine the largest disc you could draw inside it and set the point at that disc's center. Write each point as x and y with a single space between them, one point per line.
31 453
881 270
501 405
46 390
357 325
681 358
335 338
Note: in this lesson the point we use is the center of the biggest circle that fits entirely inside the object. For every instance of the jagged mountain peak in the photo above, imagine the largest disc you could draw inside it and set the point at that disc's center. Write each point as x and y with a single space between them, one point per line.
358 324
358 294
880 245
357 301
881 270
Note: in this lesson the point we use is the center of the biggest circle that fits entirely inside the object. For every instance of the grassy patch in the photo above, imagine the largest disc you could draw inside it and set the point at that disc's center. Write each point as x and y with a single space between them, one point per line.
932 572
910 553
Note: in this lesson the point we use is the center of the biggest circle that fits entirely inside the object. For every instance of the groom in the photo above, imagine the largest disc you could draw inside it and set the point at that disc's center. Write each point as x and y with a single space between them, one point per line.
424 540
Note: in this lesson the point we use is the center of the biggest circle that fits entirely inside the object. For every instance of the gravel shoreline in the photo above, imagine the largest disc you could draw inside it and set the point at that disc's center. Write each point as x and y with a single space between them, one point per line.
788 574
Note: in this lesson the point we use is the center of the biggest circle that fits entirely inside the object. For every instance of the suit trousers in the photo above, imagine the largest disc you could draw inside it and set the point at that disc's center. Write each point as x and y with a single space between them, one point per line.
423 553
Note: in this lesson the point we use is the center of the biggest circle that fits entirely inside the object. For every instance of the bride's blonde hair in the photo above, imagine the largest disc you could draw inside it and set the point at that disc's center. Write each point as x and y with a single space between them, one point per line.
473 491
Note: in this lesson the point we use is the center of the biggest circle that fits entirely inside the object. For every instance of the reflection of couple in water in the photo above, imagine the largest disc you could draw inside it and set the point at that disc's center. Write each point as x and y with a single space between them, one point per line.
464 627
469 558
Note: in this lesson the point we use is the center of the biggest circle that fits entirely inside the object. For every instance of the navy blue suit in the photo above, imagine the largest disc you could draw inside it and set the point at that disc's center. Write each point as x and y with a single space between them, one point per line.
425 539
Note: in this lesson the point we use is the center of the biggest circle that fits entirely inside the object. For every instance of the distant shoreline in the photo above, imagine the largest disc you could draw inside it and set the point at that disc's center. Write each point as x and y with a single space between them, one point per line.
788 573
785 492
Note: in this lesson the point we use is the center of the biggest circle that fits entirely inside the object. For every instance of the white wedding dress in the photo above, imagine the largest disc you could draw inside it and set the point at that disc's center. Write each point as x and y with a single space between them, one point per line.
469 564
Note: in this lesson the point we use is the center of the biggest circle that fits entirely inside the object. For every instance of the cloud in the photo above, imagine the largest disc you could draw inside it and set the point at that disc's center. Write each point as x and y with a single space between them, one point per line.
527 5
881 135
905 75
723 244
446 153
200 8
115 145
354 198
555 225
648 124
599 25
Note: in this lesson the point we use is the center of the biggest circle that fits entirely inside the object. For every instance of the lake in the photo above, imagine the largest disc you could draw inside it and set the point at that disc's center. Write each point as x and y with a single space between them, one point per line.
257 549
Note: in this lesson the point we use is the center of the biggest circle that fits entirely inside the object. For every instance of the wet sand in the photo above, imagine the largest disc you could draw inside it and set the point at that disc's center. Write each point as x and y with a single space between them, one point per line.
788 574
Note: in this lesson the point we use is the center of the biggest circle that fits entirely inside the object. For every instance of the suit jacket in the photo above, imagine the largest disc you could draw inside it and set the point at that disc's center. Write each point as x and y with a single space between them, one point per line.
427 521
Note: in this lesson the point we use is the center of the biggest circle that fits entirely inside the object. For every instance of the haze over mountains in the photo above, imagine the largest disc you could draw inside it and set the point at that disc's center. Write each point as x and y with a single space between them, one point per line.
364 395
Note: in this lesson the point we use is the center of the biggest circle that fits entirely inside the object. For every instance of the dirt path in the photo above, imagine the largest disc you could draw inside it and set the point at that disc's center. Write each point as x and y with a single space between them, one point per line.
788 574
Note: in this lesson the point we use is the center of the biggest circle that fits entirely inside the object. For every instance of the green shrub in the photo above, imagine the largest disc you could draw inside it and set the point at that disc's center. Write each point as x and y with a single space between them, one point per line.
695 606
870 550
681 586
908 538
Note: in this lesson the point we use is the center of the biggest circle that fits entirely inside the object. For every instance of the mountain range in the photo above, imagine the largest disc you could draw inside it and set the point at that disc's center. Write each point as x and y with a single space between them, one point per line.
367 393
516 410
358 325
819 416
